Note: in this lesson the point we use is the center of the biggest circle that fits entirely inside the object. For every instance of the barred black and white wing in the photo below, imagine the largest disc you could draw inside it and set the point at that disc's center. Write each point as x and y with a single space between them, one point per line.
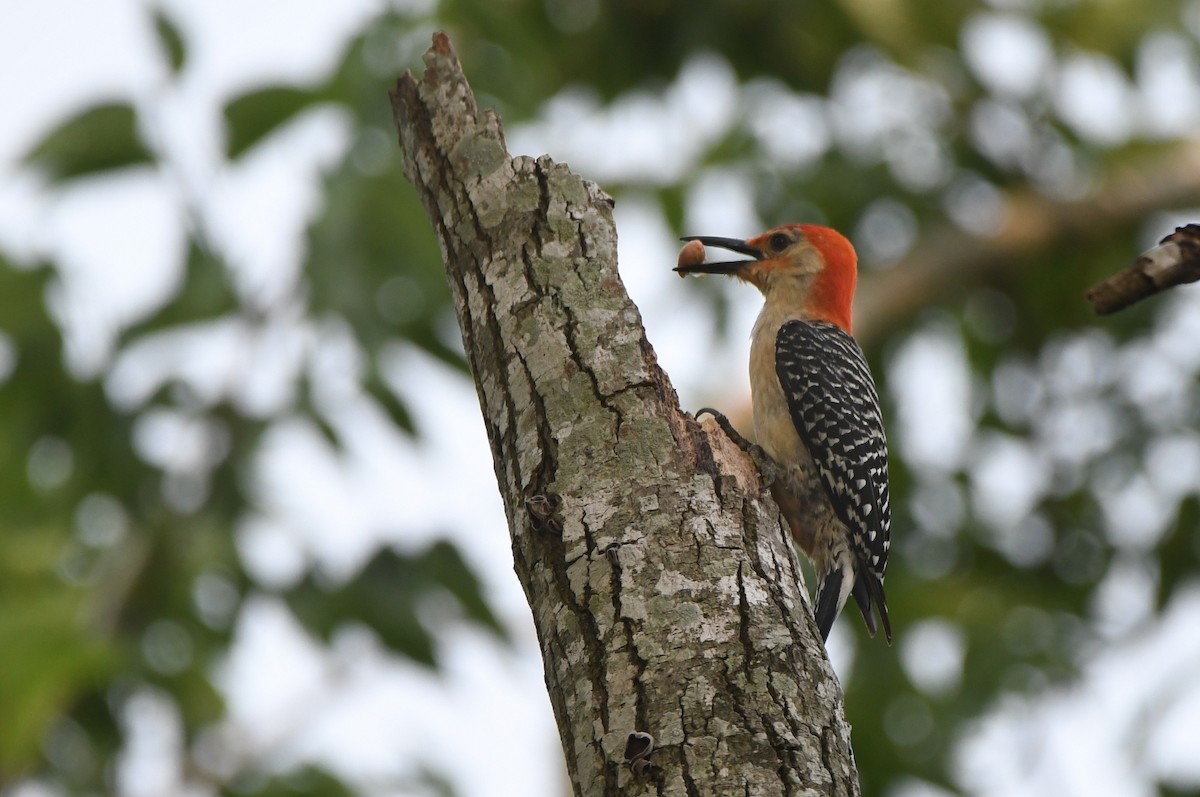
835 409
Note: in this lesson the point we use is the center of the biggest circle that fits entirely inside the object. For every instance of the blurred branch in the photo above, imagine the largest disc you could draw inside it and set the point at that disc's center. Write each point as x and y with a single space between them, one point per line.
1175 261
1031 221
667 600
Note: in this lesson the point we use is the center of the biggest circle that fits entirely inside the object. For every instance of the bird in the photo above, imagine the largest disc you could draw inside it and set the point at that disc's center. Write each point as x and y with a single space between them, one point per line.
816 409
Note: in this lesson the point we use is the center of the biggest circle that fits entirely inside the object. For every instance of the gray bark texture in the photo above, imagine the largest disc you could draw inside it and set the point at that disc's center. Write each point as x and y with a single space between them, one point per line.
666 595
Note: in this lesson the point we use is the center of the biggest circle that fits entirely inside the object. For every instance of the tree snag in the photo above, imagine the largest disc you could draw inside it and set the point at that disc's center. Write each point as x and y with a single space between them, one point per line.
1175 260
679 655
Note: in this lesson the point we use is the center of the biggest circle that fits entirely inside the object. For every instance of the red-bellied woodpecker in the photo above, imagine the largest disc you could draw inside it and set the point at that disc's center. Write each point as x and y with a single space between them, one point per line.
816 408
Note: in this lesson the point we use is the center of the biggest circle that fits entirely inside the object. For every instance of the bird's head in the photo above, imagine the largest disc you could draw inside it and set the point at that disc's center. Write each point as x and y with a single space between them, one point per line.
808 265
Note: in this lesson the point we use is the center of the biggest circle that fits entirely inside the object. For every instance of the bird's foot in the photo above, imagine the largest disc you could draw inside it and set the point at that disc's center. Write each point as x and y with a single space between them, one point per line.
768 469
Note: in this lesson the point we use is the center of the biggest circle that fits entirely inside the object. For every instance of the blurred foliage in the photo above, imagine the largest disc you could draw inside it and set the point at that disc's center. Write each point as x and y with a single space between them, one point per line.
99 139
307 782
252 117
124 572
387 597
169 35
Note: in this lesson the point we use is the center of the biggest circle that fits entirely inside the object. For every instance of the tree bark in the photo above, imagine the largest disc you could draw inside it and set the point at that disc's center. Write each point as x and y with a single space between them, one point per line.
667 598
1174 261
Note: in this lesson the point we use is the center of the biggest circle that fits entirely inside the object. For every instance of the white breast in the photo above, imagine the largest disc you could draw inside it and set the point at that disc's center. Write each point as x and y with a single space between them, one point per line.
773 427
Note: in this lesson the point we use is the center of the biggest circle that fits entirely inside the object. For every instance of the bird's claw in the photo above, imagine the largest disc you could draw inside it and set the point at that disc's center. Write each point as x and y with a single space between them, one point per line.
768 470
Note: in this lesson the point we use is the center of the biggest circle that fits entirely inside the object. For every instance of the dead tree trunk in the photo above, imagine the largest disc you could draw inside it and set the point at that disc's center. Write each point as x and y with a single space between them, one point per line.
666 596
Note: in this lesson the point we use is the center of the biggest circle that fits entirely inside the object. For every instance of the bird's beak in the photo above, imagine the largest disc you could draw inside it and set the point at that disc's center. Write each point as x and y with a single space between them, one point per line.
725 267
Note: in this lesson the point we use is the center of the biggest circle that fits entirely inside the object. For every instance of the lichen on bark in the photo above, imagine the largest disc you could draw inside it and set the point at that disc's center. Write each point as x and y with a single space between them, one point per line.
667 598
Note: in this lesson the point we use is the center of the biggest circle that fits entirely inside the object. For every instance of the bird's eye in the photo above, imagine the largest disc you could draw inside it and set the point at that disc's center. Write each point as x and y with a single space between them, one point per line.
779 241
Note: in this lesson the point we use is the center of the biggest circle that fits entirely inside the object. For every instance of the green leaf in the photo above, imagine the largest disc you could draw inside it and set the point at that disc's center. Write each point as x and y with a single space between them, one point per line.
50 658
99 139
451 571
311 781
389 402
383 596
387 596
206 294
1178 552
252 117
171 40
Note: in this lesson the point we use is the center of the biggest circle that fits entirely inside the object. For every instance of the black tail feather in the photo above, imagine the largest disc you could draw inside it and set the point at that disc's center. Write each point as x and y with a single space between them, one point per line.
862 596
868 594
868 591
827 602
875 586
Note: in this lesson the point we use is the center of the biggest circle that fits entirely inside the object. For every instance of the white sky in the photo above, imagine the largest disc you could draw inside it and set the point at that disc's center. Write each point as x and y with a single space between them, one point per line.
485 720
